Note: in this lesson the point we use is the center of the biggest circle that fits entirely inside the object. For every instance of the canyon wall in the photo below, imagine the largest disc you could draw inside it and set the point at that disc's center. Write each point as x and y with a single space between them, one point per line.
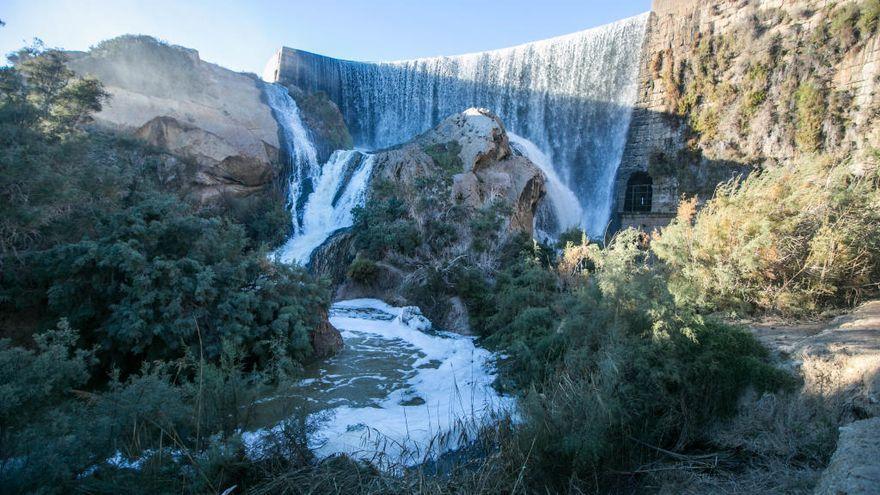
724 87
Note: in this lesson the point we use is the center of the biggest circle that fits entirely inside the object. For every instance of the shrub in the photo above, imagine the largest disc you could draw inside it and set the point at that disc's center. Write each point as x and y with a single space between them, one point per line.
624 370
794 239
485 225
868 18
363 271
445 156
809 114
384 225
265 218
157 278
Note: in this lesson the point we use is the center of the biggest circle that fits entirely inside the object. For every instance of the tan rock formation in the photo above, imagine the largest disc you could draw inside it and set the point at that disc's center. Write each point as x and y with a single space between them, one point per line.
220 169
208 114
464 164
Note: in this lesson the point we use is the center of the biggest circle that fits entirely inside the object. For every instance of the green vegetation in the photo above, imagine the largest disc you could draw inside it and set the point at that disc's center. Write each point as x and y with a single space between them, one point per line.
729 89
363 271
809 114
445 156
384 225
612 341
794 239
138 329
133 324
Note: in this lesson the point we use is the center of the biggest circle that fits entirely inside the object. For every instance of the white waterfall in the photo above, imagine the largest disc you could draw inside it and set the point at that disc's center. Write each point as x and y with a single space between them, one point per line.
571 96
567 212
303 158
321 199
341 186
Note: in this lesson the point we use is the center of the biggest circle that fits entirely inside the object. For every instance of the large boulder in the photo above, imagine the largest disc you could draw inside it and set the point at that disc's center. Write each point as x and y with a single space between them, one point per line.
207 114
326 339
220 169
478 131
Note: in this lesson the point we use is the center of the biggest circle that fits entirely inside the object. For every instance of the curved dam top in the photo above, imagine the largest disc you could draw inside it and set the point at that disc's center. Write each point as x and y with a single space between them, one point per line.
572 96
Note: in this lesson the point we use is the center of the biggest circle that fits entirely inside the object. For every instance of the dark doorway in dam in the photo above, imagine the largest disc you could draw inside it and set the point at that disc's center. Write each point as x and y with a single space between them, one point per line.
639 189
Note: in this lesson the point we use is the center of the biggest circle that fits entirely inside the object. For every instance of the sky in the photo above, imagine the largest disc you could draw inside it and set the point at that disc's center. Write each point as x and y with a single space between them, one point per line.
242 35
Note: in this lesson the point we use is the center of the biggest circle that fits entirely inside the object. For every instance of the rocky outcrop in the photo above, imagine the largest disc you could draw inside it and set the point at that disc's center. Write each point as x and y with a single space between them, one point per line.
465 193
729 85
219 169
855 466
326 339
839 361
210 116
480 136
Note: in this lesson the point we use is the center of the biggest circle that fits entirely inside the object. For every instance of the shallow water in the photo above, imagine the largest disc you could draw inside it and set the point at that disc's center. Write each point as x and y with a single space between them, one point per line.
399 391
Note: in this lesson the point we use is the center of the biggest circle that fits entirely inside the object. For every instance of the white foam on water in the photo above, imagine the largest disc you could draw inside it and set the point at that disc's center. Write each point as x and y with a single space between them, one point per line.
451 375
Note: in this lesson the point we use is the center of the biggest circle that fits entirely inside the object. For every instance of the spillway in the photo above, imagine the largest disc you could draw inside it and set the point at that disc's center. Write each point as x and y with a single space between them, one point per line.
571 96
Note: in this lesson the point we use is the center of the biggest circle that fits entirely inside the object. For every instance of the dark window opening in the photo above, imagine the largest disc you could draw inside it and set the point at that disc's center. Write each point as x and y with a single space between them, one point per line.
639 189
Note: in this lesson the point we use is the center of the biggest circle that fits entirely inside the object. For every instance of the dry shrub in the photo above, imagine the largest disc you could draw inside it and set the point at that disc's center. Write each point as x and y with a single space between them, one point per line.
793 239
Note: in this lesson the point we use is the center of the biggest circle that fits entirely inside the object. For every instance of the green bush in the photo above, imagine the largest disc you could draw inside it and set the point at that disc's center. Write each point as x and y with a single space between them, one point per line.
868 18
166 428
157 279
265 218
794 239
363 271
384 225
809 105
612 367
445 156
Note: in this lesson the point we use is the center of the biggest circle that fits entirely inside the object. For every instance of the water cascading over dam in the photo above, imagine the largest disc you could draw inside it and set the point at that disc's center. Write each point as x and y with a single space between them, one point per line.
571 96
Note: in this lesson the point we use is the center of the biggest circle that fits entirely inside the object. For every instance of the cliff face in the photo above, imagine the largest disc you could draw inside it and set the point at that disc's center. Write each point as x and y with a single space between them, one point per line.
728 86
210 116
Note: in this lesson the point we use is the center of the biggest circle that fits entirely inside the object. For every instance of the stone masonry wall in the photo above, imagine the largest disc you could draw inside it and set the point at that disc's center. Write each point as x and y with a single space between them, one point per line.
674 27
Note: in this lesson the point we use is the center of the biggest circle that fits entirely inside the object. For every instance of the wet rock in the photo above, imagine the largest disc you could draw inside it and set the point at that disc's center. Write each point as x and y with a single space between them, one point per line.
457 318
323 118
326 339
413 401
412 317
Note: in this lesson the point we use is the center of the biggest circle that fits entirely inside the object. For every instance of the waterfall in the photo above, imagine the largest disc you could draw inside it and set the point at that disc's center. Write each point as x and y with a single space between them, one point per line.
341 186
565 210
296 142
571 96
321 198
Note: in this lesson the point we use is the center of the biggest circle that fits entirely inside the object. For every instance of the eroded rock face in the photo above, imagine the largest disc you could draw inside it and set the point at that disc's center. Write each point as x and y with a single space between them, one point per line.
457 175
214 117
219 168
478 131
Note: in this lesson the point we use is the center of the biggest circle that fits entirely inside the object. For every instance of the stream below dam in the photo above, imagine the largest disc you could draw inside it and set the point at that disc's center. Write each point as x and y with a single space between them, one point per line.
400 392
